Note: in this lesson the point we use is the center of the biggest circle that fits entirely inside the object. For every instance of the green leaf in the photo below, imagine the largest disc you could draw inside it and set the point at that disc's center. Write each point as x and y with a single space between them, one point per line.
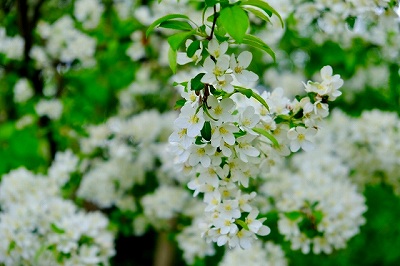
176 40
235 21
180 103
11 246
57 229
318 215
242 224
264 6
246 92
293 216
199 140
258 12
267 135
193 47
211 2
39 252
258 43
172 59
196 84
176 25
239 134
206 131
162 19
250 93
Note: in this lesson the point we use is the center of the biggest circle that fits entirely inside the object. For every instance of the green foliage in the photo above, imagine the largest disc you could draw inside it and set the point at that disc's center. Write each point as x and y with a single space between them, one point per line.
165 19
236 27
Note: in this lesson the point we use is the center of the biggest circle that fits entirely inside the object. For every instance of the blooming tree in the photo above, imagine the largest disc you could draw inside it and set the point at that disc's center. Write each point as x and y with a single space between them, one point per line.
198 133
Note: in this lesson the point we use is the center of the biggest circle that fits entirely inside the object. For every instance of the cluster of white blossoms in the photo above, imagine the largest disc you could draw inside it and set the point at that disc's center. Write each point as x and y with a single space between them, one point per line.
159 210
268 254
88 12
11 47
51 108
191 244
39 227
63 43
319 208
129 148
226 135
23 91
343 21
369 146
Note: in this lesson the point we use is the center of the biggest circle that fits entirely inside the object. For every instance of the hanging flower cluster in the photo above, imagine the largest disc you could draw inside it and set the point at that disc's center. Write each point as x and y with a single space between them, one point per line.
227 133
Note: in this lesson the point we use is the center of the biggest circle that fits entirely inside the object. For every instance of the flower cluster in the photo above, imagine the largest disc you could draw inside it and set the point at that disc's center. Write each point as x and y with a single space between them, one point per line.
12 47
343 21
88 12
368 146
39 227
107 182
227 134
319 209
64 44
267 253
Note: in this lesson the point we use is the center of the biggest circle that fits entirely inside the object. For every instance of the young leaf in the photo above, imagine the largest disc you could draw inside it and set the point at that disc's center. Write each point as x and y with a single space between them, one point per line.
172 59
56 229
179 103
242 224
176 25
258 12
196 84
193 47
293 215
162 19
264 6
211 2
267 135
176 40
235 21
250 93
258 43
206 131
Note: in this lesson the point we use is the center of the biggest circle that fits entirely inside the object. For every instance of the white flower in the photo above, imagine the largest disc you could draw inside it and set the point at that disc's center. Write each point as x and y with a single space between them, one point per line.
201 154
215 70
226 225
225 84
211 175
300 137
223 134
229 209
244 148
244 200
252 222
249 119
239 66
221 110
189 119
243 238
180 135
215 49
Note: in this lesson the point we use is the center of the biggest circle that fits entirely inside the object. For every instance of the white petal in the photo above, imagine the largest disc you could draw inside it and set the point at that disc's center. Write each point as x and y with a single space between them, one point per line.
294 146
307 145
183 59
326 72
264 230
244 59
